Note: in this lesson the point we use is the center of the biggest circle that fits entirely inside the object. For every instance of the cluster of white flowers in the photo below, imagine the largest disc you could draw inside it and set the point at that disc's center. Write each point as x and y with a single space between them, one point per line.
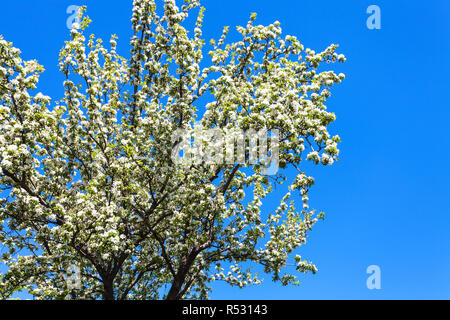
91 177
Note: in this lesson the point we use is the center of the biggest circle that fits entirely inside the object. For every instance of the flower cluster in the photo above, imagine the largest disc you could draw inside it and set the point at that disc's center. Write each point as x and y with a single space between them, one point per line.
91 181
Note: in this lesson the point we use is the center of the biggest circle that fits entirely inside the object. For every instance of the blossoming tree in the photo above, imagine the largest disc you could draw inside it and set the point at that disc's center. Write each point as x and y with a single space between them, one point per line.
90 181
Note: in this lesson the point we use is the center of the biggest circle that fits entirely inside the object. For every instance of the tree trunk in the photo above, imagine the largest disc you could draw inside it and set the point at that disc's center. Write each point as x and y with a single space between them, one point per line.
108 290
174 291
180 278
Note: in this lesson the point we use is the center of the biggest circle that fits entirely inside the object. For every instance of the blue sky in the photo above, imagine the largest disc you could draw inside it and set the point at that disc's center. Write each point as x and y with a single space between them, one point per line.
386 200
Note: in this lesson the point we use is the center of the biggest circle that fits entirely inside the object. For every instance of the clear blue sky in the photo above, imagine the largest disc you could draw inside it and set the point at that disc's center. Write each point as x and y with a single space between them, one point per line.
387 199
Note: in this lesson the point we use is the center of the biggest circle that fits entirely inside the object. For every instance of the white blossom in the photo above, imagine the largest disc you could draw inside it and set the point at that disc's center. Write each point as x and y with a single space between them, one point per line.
91 181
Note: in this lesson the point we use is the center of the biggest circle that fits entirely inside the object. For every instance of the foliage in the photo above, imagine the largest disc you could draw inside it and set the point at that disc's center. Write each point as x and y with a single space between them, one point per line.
90 180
